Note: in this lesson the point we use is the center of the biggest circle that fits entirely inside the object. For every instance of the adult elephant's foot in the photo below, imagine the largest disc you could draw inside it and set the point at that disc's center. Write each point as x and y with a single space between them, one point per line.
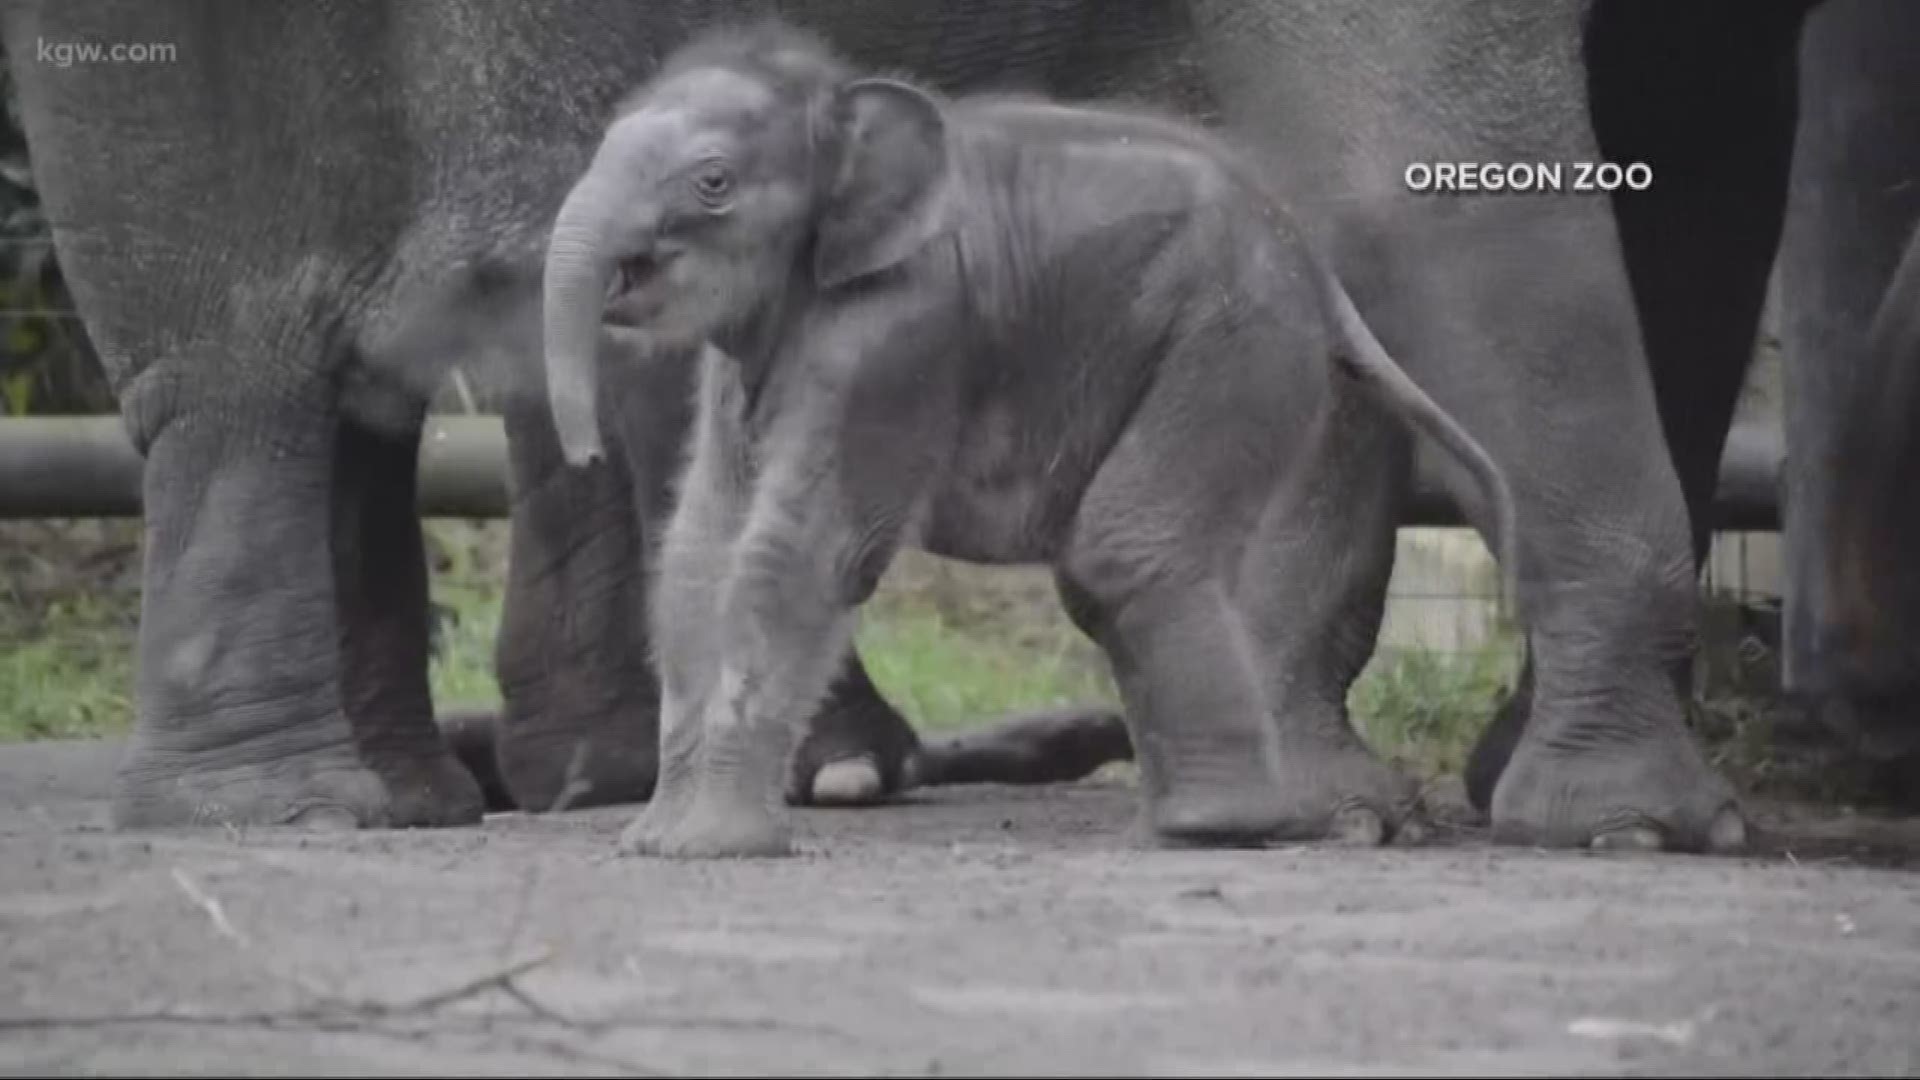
549 767
1654 792
469 734
1344 794
427 786
327 788
858 751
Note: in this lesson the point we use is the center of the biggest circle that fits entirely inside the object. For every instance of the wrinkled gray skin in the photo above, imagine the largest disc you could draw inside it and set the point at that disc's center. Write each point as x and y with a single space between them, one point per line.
278 239
1876 461
1852 617
316 191
1782 136
1005 330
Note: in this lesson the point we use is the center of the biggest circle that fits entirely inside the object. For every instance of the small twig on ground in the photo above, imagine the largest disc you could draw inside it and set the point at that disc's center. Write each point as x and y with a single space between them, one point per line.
211 906
347 1015
501 980
539 1008
522 906
217 913
329 1021
331 1009
332 1012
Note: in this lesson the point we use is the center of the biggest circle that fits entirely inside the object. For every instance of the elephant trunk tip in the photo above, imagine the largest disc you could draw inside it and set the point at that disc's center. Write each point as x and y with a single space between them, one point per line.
582 451
575 423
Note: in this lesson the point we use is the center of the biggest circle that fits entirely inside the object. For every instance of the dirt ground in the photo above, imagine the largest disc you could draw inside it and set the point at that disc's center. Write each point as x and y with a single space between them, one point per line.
973 930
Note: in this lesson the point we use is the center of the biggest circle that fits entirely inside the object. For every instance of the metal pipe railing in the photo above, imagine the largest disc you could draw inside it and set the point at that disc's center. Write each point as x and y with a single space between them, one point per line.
84 467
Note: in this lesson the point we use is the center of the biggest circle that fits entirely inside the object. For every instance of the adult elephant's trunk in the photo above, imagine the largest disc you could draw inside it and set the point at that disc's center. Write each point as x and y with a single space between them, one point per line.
579 267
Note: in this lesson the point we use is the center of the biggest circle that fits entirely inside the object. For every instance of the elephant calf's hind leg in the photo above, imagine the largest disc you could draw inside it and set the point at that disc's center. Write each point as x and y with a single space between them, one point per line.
1315 590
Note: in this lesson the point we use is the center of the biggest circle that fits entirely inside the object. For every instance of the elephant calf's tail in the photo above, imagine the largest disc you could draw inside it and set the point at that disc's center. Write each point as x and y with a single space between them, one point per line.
1362 356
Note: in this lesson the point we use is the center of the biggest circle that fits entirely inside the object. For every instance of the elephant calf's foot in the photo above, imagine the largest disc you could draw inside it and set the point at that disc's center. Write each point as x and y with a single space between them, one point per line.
1233 803
427 786
313 789
1650 795
704 826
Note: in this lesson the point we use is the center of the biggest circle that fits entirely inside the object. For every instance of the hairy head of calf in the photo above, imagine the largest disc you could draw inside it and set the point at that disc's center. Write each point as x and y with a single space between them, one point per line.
752 163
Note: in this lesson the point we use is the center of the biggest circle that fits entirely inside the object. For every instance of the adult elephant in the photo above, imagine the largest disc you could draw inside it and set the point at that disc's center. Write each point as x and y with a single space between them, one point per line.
1781 136
274 235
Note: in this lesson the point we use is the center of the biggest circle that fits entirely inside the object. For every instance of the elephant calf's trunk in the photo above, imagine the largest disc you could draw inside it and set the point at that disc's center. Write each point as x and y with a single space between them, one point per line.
577 272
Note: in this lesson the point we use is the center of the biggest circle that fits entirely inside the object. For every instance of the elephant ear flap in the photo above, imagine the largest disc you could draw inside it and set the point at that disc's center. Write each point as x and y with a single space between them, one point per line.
887 196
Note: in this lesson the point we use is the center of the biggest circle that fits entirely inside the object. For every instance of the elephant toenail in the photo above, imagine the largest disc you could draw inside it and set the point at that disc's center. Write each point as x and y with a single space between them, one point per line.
1728 833
1359 826
852 782
1412 832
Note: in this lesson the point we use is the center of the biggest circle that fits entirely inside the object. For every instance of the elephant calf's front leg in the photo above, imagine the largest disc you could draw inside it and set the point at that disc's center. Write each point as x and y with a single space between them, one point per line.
782 627
752 635
694 558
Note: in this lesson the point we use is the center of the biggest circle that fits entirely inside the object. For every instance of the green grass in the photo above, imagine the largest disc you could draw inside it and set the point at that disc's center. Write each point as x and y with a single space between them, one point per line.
951 646
66 668
1424 710
463 669
946 677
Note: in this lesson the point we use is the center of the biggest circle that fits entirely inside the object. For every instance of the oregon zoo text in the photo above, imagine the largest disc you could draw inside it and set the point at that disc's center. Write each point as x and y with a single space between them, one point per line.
1553 177
68 53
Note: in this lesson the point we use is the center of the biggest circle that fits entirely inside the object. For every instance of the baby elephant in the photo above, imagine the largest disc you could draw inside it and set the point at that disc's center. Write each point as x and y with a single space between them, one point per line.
1005 330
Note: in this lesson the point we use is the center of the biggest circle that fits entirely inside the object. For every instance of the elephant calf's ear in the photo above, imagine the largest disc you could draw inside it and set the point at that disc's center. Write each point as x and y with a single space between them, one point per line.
887 198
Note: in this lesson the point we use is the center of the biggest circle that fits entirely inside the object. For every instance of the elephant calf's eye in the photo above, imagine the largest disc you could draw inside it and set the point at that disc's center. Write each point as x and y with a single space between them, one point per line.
713 183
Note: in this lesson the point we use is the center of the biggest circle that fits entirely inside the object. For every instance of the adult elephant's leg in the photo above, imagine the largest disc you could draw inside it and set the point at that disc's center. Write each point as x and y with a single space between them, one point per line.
579 721
1545 368
239 717
1852 613
1607 573
380 578
1704 96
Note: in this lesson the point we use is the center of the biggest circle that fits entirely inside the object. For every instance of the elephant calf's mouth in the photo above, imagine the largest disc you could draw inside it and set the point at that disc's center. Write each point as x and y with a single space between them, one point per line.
631 277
